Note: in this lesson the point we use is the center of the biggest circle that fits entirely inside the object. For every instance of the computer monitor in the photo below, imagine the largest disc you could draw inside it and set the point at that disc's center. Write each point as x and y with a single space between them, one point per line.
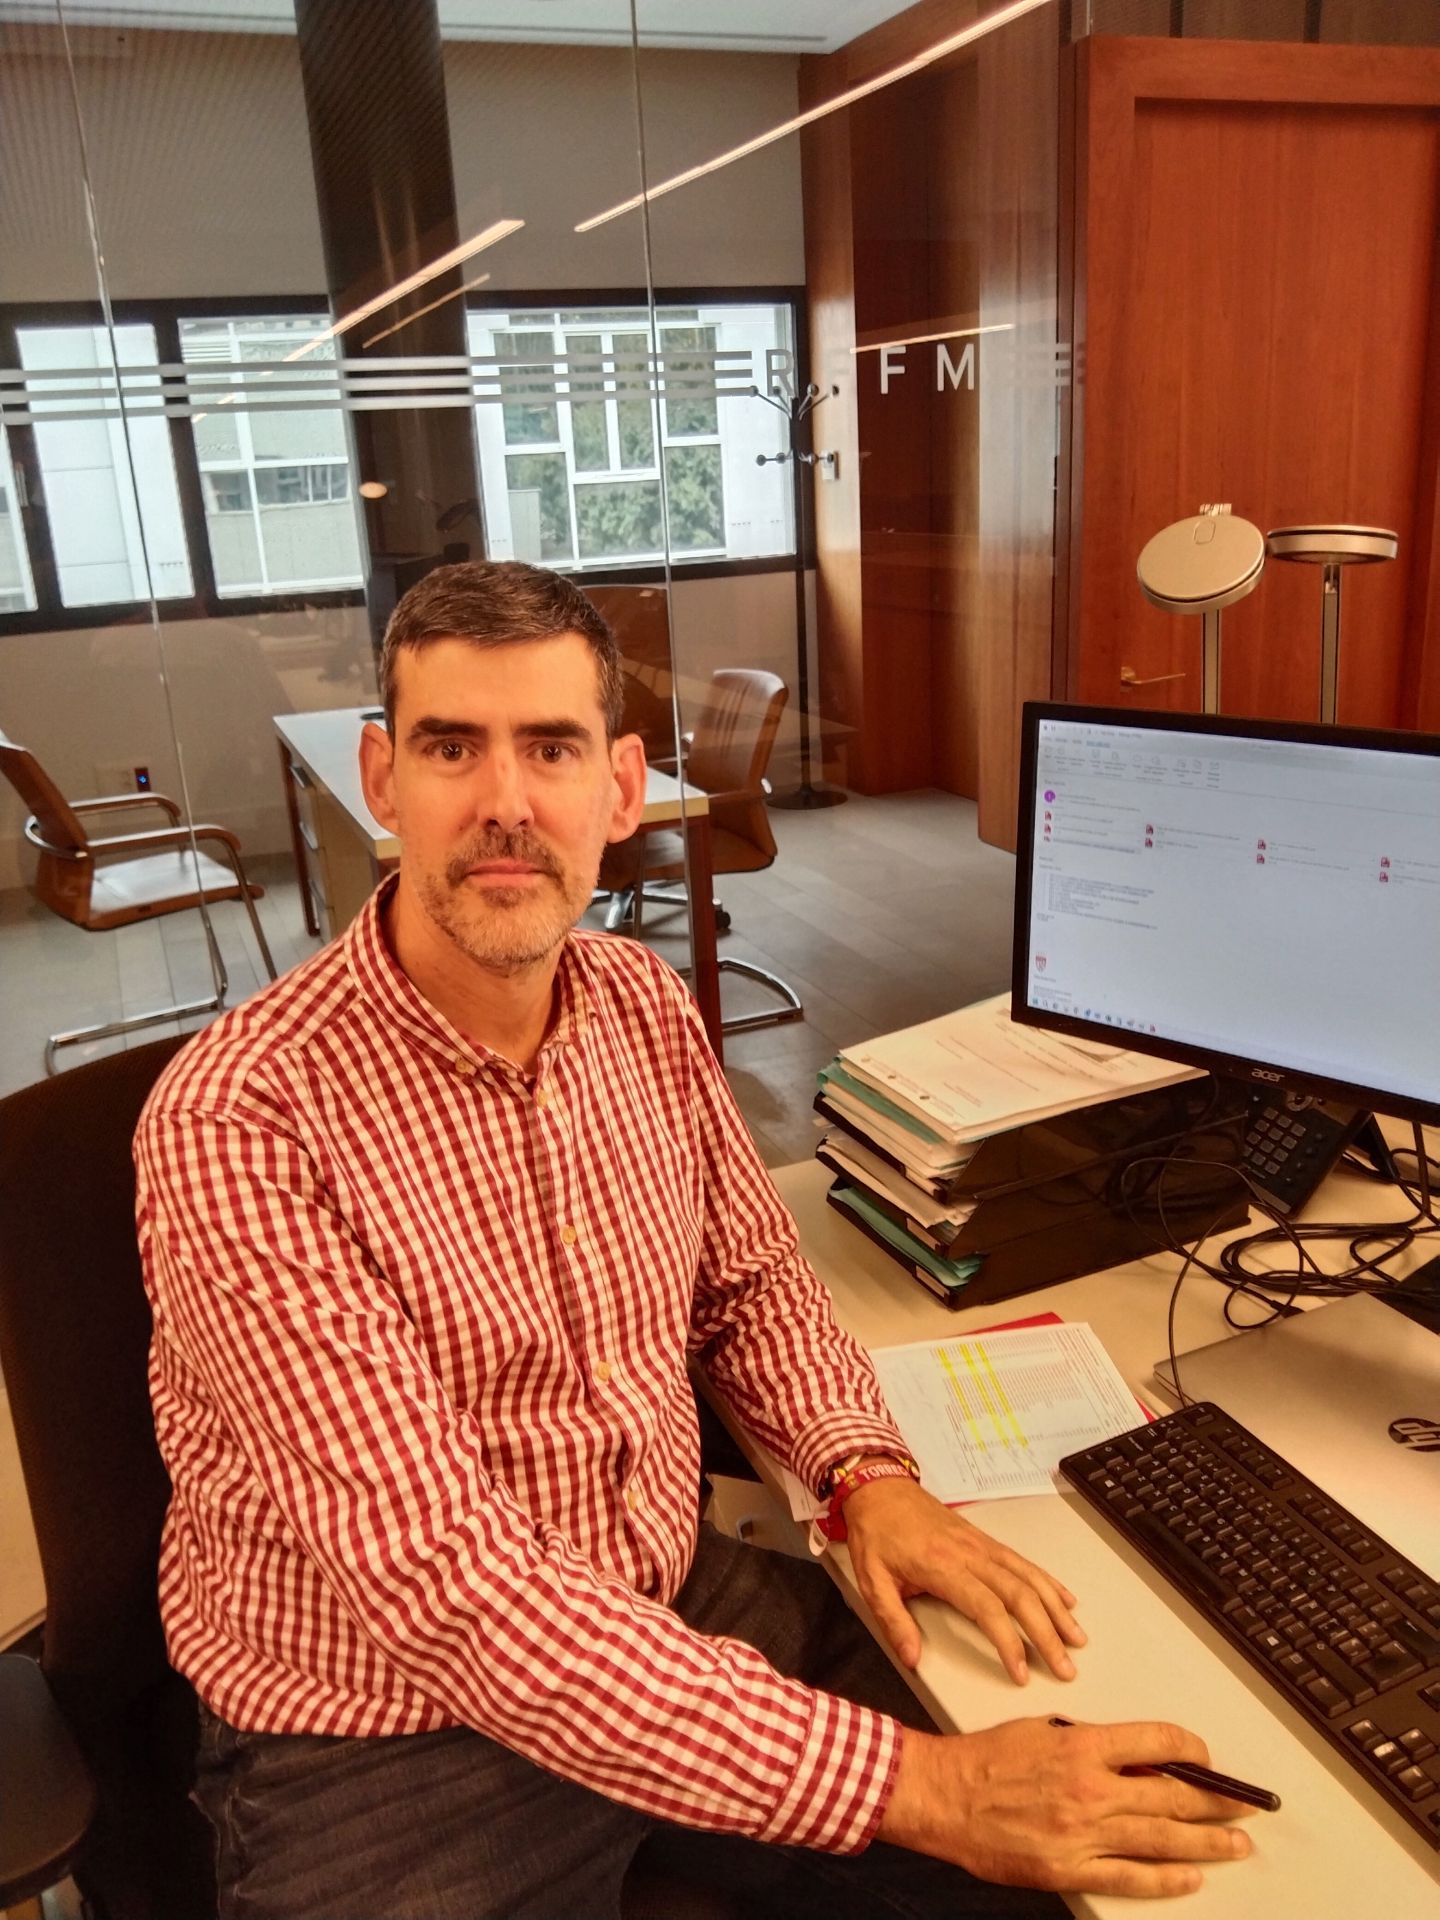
1253 897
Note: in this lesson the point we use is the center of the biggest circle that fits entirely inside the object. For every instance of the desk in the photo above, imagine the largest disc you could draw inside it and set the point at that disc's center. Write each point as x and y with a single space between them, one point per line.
342 852
1333 1852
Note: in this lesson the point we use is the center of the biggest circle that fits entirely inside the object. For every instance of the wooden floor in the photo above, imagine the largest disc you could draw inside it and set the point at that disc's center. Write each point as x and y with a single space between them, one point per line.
880 913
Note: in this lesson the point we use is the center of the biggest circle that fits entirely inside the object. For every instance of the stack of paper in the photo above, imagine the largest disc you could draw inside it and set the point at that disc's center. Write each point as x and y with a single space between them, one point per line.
912 1109
991 1415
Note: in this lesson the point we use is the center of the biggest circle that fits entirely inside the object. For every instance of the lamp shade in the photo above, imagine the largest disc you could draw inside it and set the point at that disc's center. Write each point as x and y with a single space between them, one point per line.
1201 564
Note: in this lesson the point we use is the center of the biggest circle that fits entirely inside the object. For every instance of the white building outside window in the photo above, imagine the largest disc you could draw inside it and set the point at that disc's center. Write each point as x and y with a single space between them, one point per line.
17 587
104 526
276 481
593 418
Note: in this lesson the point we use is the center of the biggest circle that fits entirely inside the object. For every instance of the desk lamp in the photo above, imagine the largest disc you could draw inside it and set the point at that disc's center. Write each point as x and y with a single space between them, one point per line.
1331 548
1200 565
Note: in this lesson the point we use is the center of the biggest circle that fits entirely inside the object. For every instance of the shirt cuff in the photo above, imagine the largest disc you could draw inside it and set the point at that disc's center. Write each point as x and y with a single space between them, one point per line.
842 1785
834 1436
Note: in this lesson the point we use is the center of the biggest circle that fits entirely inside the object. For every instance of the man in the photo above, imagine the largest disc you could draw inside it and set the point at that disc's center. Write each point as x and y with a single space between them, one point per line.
431 1228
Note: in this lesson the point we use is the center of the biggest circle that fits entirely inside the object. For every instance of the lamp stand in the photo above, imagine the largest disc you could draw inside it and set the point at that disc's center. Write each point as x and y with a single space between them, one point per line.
809 796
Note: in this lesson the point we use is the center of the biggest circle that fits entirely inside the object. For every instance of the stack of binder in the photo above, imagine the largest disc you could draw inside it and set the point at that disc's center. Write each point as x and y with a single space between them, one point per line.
989 1158
896 1181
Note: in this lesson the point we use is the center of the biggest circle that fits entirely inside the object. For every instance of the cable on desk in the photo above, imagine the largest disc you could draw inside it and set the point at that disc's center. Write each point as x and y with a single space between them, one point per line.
1365 1274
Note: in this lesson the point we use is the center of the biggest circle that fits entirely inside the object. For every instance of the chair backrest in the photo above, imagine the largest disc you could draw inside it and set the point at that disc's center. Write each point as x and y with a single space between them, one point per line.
735 735
59 827
74 1341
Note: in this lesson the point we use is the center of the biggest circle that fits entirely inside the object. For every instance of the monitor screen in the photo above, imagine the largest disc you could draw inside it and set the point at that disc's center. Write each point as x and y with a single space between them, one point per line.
1255 897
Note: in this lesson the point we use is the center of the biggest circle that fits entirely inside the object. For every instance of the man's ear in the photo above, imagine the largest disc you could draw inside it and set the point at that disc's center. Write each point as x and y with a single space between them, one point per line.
627 764
377 775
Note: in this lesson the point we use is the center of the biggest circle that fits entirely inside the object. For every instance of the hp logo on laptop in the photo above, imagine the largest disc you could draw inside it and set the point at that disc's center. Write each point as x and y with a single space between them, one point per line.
1417 1433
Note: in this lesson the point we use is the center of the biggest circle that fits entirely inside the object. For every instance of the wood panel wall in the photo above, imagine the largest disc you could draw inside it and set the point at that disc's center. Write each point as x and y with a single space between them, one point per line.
1019 411
1256 272
938 196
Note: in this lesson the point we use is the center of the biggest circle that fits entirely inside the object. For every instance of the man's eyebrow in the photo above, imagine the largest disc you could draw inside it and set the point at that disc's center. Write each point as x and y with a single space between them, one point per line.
434 726
574 730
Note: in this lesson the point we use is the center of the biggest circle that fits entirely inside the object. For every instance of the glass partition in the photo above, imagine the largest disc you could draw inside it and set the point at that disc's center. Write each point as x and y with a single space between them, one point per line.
277 338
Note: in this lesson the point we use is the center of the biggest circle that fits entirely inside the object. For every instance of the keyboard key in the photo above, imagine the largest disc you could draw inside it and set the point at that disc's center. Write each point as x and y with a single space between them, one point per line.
1389 1664
1413 1783
1327 1697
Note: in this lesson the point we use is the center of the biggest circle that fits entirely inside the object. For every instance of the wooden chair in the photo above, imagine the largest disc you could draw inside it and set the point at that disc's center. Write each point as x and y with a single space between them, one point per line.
113 881
727 756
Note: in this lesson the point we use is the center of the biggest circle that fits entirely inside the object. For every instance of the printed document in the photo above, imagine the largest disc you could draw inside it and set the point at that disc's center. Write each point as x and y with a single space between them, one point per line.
991 1416
977 1072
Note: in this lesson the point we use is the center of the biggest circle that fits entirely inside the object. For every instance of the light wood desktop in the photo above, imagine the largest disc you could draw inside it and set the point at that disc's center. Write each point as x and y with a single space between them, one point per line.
342 852
1333 1852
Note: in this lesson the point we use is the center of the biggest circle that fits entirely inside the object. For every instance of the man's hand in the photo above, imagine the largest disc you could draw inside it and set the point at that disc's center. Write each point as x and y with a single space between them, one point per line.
903 1542
1031 1805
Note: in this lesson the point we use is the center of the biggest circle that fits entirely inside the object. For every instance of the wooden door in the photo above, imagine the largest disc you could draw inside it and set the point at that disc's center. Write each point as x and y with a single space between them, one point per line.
1256 321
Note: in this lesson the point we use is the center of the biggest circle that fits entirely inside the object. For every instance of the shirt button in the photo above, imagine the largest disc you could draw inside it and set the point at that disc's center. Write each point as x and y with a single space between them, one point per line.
464 1065
542 1099
569 1236
632 1499
603 1370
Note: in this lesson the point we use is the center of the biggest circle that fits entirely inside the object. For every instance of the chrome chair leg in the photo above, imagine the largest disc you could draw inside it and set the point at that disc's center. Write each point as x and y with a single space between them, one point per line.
255 926
132 1024
793 1008
619 909
161 1016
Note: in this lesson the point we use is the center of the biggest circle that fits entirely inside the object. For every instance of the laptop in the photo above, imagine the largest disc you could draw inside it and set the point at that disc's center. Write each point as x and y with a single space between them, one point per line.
1349 1393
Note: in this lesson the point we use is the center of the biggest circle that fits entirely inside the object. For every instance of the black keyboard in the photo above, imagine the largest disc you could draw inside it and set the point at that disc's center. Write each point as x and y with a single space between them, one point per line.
1343 1625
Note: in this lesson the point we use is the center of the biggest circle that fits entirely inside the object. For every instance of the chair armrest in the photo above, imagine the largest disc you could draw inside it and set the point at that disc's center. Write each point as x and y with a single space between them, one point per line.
156 839
117 802
734 797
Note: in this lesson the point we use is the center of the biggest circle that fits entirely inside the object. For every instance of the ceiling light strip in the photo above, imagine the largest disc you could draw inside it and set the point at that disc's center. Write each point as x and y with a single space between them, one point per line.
477 243
952 44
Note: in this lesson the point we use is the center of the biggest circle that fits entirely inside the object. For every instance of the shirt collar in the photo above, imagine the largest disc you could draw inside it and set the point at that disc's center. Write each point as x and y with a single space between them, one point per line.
385 986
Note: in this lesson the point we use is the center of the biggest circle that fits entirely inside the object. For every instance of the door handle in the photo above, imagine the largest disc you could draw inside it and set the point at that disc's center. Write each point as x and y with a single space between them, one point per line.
1129 678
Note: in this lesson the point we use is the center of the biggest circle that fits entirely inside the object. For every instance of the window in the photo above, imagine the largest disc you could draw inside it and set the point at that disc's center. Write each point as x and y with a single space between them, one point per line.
275 479
109 479
17 589
600 440
227 492
203 459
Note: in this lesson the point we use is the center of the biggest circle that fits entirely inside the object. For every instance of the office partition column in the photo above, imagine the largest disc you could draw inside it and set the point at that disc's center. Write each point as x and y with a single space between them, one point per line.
375 101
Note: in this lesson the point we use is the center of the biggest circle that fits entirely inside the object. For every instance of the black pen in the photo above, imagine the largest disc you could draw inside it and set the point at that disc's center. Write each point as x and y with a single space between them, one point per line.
1213 1782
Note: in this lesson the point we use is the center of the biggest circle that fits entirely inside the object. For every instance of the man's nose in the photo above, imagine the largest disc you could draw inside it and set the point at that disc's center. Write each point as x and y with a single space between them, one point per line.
504 799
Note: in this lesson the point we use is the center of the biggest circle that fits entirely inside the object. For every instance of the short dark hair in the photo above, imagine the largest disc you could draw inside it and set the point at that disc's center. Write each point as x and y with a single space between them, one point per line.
497 603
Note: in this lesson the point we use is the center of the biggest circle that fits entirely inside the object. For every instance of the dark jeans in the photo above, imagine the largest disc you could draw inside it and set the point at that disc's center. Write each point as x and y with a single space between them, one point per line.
452 1826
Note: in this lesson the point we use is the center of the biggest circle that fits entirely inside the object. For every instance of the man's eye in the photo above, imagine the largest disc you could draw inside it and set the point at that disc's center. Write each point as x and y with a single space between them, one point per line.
450 751
554 752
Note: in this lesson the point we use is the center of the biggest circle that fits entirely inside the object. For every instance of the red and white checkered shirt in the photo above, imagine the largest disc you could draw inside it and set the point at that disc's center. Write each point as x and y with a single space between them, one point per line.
419 1378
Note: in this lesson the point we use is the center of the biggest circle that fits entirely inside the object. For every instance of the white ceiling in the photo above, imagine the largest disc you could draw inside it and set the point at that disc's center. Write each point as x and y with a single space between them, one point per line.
748 26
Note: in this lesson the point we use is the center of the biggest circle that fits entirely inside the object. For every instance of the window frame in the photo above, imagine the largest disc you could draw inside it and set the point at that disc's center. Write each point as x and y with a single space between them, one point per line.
50 615
651 573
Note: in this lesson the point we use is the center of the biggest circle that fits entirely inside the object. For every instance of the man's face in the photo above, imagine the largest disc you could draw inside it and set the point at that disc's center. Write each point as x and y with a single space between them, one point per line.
502 790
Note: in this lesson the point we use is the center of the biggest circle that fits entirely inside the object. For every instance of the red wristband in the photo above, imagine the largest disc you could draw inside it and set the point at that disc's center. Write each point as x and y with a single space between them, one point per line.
832 1522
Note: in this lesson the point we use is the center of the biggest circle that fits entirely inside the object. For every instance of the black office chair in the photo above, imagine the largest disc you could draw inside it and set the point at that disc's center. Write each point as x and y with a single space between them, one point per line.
74 1336
74 1339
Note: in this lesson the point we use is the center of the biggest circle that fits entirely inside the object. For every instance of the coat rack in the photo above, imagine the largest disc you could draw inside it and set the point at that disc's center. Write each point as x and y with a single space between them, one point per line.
797 410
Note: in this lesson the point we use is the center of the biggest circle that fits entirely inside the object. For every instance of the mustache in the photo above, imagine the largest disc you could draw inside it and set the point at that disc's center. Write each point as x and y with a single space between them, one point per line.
521 846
